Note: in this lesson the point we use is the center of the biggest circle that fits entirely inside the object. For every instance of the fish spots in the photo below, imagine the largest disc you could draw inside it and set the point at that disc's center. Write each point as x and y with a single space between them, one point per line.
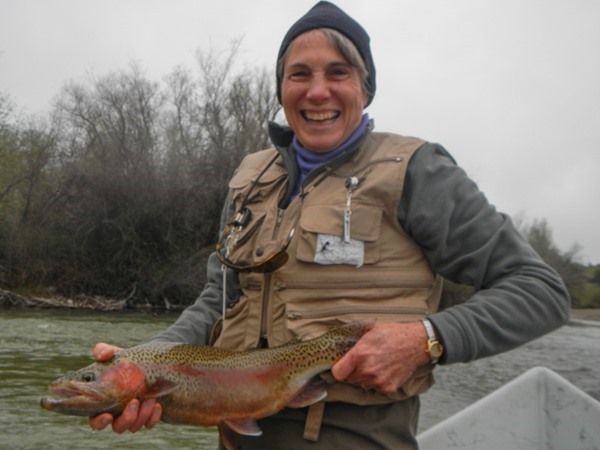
202 385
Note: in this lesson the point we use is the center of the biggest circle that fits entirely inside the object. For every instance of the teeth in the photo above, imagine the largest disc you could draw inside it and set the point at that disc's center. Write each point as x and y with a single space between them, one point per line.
322 116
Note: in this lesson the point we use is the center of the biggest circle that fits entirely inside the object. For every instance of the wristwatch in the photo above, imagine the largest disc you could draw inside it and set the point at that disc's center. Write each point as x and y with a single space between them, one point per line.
434 347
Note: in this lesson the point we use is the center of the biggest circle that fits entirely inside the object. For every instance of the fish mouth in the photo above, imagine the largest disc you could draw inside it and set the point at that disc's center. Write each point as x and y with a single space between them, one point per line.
77 399
66 393
73 390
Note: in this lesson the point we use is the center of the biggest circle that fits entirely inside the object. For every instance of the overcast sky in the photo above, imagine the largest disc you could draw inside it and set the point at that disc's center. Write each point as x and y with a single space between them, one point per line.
510 87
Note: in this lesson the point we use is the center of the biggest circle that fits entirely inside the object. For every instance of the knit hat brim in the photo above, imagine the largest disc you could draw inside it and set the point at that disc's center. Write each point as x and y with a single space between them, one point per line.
327 15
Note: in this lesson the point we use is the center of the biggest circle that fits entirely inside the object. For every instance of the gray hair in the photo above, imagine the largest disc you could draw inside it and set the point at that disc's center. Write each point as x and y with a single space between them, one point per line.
343 45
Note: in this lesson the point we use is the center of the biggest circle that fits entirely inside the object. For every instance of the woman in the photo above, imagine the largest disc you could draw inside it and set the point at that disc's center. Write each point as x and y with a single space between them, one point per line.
338 223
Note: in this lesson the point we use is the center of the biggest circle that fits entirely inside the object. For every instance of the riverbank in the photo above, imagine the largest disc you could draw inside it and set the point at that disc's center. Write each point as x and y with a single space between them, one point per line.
586 314
12 300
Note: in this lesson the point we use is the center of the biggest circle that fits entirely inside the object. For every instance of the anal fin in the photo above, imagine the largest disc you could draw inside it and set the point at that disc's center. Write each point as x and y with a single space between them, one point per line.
246 426
314 391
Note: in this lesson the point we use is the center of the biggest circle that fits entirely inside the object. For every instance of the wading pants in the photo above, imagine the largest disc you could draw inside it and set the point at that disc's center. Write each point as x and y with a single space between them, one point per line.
344 427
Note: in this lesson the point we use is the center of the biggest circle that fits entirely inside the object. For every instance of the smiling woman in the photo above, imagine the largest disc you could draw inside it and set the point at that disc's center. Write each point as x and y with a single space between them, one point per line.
322 93
362 225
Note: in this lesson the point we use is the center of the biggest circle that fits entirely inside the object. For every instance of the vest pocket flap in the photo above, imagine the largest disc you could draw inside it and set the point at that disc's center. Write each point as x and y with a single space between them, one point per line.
242 246
319 223
365 220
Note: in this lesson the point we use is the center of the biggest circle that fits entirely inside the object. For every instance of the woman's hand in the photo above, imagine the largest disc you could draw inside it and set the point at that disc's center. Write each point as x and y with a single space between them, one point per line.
135 415
385 357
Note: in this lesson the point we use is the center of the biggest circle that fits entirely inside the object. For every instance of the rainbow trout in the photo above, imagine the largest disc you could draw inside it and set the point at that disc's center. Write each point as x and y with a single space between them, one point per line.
207 386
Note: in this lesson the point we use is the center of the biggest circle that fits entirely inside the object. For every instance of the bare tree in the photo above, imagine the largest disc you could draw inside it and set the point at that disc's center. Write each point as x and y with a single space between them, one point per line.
214 121
122 193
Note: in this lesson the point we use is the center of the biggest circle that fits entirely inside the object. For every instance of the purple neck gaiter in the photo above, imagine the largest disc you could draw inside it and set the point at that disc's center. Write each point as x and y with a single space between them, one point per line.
308 161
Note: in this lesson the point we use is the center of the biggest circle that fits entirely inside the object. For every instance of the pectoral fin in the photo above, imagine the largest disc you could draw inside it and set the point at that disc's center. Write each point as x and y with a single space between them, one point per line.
160 389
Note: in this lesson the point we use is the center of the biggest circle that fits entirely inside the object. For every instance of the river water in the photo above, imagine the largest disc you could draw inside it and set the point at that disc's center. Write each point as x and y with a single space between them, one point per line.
38 346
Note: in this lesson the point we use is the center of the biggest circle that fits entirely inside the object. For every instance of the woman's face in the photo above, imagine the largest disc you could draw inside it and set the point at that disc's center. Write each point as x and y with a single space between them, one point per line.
321 93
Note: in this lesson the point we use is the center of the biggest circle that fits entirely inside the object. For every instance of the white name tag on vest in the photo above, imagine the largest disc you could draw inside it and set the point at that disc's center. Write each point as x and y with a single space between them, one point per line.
333 250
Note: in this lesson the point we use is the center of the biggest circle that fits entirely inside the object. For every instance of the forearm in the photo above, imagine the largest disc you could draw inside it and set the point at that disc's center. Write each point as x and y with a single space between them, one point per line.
467 241
521 305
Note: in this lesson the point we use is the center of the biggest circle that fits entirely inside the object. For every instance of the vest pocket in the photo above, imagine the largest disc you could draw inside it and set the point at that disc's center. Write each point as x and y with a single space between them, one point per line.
314 322
238 244
233 333
328 220
312 307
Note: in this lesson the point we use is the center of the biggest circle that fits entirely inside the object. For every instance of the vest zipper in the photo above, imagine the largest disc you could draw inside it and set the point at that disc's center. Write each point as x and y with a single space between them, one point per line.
356 285
366 309
264 320
278 221
333 285
355 310
264 332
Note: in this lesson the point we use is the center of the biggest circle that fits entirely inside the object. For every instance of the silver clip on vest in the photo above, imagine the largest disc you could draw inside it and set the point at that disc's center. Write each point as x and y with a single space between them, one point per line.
351 184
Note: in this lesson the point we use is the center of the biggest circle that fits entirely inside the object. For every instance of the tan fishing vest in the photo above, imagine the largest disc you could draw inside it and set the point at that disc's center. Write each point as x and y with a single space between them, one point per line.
380 274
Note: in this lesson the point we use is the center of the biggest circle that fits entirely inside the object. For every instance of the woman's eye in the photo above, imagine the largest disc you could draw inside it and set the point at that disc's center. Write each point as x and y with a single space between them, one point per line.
339 74
298 75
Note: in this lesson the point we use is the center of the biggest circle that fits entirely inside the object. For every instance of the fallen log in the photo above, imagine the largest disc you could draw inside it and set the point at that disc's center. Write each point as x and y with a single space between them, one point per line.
13 300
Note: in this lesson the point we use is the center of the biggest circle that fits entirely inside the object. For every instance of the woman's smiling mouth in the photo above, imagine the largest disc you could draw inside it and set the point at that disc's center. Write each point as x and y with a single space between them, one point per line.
320 116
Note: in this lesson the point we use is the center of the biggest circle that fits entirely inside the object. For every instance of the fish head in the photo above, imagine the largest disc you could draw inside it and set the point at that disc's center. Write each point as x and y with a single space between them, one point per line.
97 388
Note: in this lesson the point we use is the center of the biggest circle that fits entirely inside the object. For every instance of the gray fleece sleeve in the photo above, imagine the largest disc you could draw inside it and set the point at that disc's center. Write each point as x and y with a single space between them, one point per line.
518 297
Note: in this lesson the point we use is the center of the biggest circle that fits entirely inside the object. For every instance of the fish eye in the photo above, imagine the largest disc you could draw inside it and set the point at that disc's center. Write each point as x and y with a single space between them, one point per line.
88 377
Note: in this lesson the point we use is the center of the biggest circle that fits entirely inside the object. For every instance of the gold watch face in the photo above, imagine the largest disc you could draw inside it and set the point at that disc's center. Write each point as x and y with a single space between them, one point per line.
435 349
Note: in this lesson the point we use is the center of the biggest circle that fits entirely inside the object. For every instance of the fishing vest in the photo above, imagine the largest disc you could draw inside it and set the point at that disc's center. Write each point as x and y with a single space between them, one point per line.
348 257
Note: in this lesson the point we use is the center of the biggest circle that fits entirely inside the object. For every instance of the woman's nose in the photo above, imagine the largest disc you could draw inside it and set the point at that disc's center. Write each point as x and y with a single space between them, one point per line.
318 89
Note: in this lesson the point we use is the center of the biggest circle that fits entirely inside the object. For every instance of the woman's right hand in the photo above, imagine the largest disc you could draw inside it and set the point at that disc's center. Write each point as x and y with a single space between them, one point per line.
135 415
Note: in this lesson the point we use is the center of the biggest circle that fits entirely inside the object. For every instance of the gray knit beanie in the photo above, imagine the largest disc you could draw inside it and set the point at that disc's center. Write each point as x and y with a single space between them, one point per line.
327 15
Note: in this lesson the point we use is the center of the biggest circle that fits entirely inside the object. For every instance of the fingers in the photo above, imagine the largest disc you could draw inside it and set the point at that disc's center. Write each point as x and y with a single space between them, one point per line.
342 370
352 368
384 358
100 422
104 352
128 417
146 410
368 373
155 417
135 416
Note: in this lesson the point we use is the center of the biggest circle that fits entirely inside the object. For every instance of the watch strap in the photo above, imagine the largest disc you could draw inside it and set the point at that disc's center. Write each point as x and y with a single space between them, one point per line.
432 342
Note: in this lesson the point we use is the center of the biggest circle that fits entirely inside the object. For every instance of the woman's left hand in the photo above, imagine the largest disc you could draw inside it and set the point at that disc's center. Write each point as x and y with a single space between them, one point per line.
385 357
